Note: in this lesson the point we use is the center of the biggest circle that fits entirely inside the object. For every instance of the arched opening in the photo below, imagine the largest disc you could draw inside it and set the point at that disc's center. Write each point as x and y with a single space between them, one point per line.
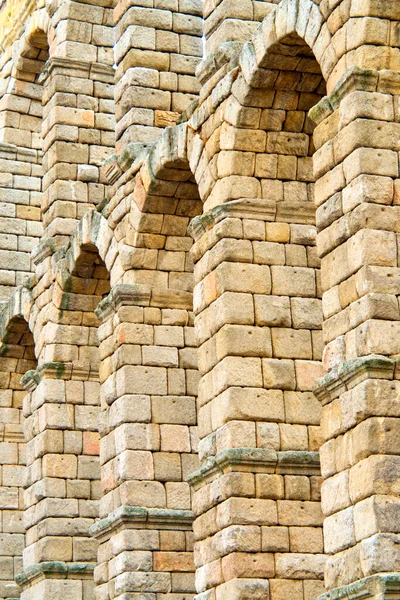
16 357
62 475
21 162
260 326
149 440
57 127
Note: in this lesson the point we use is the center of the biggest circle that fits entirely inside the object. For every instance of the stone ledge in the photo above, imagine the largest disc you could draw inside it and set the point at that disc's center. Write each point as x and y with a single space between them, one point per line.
122 294
54 570
260 209
8 151
354 79
77 68
256 460
380 587
125 294
137 517
46 248
56 370
352 373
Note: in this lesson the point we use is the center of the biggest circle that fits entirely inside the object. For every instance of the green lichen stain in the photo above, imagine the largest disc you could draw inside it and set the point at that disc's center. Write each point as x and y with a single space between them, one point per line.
65 300
59 369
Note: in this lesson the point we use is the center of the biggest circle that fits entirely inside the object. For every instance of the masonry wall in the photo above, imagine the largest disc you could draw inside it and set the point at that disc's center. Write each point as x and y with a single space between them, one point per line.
21 179
200 280
17 357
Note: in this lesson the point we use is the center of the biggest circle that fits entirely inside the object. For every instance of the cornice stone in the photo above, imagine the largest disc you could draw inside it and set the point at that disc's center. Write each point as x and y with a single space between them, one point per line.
352 373
56 370
255 460
380 587
123 294
137 517
354 79
54 570
253 208
77 68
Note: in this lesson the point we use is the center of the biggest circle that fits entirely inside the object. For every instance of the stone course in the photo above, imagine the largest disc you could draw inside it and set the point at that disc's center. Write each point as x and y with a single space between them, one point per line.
199 283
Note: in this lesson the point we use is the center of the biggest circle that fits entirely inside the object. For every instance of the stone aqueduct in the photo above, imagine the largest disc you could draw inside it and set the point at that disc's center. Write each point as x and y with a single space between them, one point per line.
199 275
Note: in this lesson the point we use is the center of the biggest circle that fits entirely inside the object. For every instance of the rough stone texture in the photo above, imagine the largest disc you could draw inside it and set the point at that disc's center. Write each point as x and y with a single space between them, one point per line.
191 238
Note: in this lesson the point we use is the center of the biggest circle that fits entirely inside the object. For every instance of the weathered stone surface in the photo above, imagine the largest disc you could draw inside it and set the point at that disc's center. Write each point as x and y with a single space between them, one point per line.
181 183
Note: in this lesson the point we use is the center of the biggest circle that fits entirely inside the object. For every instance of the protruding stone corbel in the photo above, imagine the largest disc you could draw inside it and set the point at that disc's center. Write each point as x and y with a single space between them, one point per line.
255 460
56 370
379 587
122 294
137 517
354 79
54 570
352 373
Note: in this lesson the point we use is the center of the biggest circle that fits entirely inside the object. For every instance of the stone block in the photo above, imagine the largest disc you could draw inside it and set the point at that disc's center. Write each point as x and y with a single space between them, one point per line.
239 589
306 566
272 311
173 409
293 281
240 564
141 380
279 374
291 343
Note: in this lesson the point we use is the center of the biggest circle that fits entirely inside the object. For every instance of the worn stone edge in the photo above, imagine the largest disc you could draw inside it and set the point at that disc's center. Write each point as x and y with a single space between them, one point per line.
227 53
44 249
366 588
116 165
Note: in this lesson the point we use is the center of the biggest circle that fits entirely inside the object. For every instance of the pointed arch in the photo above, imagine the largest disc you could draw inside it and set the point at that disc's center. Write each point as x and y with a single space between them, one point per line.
164 200
283 35
165 180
